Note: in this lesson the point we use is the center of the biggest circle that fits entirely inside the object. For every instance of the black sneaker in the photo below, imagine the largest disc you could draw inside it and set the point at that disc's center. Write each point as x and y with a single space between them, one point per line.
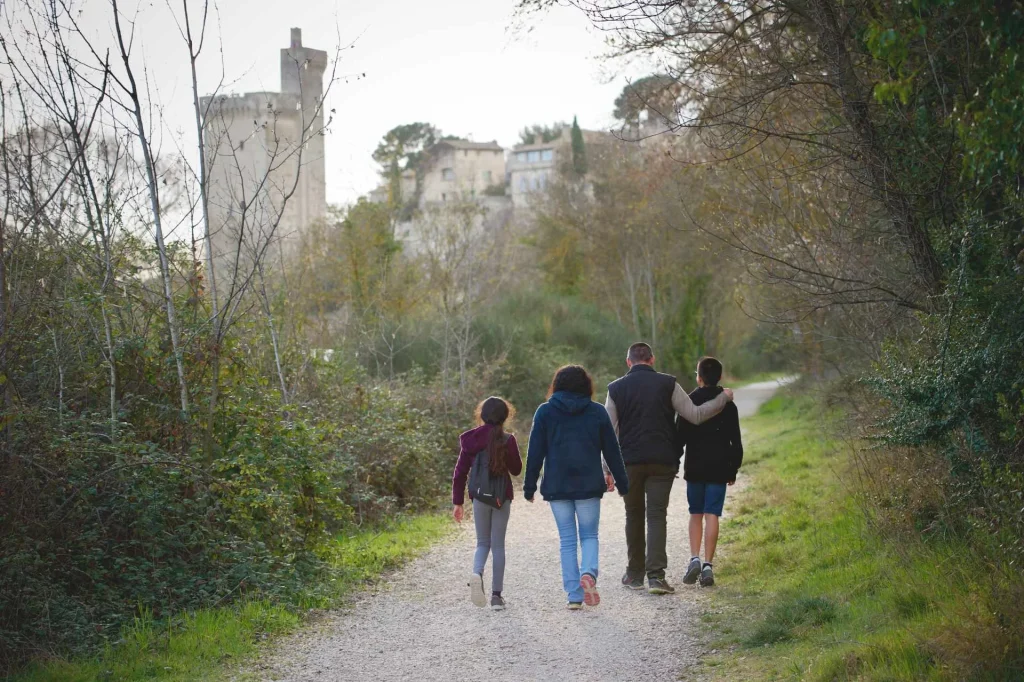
659 586
707 576
574 605
633 582
497 603
692 571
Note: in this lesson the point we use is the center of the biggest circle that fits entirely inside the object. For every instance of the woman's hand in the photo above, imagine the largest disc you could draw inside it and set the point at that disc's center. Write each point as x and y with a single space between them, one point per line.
728 394
530 500
457 513
610 482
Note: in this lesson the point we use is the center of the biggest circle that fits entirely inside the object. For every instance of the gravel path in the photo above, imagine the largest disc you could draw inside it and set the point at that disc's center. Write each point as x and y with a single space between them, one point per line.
421 626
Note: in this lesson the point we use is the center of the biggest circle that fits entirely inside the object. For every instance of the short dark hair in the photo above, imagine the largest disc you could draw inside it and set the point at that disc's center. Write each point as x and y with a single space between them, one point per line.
709 370
572 378
640 352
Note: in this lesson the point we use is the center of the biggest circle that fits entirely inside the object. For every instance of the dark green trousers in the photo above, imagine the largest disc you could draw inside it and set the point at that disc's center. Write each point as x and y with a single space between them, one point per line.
650 486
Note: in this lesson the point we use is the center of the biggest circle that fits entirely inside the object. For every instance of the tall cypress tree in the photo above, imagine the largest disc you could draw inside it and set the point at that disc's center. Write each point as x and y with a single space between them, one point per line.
579 151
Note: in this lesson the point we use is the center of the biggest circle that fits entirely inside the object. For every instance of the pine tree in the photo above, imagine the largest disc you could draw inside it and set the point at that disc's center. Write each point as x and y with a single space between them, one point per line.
579 151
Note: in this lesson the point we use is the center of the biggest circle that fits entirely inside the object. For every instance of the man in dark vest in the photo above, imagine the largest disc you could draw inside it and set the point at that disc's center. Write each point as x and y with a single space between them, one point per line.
643 406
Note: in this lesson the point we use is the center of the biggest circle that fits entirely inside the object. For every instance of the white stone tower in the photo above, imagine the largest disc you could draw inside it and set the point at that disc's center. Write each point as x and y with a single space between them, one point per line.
265 163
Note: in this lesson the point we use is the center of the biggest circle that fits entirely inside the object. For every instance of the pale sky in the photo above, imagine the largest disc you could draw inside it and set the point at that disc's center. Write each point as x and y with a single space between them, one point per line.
454 63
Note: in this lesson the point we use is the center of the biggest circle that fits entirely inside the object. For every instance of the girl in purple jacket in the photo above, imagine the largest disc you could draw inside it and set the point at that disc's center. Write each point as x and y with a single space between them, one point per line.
491 523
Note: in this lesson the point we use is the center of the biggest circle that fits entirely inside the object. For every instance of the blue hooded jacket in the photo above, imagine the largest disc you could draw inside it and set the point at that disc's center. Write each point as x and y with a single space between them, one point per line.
570 432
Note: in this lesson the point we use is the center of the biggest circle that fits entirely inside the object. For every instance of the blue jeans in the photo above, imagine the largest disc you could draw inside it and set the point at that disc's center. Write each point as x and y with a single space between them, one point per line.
587 513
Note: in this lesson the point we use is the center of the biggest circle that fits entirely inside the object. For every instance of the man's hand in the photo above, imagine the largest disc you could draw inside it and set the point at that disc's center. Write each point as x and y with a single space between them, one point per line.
732 482
530 500
458 513
728 393
610 482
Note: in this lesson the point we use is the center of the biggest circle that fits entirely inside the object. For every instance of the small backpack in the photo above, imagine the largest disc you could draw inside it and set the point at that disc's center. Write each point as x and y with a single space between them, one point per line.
483 487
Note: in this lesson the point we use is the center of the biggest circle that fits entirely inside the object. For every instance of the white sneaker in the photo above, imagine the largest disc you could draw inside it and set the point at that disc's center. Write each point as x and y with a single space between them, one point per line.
476 590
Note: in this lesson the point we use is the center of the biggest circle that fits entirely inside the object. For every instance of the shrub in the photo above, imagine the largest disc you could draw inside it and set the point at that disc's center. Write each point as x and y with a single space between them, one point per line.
94 533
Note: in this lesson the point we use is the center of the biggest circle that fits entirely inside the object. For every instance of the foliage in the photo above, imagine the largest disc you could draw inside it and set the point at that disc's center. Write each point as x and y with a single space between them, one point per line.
656 94
538 133
404 148
579 150
94 531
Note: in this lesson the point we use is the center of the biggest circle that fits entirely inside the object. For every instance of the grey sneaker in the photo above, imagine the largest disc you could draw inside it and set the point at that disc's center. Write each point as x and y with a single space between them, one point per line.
633 582
476 590
659 586
692 571
707 576
497 603
574 605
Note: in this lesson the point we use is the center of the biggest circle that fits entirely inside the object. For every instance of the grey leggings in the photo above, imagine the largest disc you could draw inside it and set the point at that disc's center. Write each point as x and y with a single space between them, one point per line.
490 525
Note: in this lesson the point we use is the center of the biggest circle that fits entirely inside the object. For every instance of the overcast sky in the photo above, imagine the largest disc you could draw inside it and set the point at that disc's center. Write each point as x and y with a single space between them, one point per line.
454 63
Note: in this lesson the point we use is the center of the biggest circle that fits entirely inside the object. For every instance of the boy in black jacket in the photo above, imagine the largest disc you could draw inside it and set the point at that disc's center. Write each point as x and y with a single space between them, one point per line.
714 453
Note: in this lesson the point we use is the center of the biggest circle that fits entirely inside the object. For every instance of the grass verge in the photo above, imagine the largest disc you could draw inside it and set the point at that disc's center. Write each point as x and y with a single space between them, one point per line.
209 644
807 591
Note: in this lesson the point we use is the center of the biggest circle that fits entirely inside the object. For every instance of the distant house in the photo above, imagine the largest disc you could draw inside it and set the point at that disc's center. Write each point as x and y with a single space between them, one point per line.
457 169
532 167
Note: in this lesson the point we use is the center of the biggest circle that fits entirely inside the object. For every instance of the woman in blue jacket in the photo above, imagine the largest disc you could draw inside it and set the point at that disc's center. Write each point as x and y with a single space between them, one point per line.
570 433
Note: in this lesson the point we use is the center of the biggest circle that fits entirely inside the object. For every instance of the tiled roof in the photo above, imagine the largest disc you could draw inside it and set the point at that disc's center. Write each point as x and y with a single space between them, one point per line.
466 144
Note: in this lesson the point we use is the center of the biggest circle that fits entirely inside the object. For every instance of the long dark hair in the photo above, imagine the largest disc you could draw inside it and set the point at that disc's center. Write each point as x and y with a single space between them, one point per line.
572 378
496 412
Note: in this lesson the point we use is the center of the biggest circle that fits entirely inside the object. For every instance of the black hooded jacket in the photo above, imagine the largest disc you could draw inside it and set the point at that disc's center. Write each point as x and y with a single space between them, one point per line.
714 451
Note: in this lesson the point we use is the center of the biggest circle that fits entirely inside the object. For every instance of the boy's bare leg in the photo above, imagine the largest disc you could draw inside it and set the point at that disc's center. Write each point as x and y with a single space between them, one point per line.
710 536
696 530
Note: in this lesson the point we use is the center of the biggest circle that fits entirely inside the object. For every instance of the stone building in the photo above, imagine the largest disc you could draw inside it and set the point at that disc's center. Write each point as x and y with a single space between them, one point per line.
265 161
461 169
531 167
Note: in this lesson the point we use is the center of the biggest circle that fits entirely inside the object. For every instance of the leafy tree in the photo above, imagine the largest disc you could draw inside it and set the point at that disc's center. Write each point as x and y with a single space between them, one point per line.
538 133
579 151
657 94
403 148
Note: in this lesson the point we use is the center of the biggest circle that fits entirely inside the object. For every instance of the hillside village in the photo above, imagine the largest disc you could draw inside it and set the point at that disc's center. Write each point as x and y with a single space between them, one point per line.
267 158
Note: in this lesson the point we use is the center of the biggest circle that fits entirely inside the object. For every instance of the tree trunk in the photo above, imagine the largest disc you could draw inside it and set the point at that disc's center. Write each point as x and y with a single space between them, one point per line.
855 104
154 201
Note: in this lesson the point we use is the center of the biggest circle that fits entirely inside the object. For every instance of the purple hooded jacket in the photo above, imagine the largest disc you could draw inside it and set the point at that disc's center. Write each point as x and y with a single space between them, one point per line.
473 442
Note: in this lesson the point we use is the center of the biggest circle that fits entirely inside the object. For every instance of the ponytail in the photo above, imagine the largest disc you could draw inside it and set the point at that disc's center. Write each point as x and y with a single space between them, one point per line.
496 411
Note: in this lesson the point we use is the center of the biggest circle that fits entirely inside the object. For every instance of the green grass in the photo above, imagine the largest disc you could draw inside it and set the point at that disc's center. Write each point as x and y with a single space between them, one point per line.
807 591
208 644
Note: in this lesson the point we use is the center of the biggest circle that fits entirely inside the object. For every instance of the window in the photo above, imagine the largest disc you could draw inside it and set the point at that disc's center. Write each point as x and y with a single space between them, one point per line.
444 197
546 154
465 152
487 177
533 156
520 156
523 185
536 183
447 174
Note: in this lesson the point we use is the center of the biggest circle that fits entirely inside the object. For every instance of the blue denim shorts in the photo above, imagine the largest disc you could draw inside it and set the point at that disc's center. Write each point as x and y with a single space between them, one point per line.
705 498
